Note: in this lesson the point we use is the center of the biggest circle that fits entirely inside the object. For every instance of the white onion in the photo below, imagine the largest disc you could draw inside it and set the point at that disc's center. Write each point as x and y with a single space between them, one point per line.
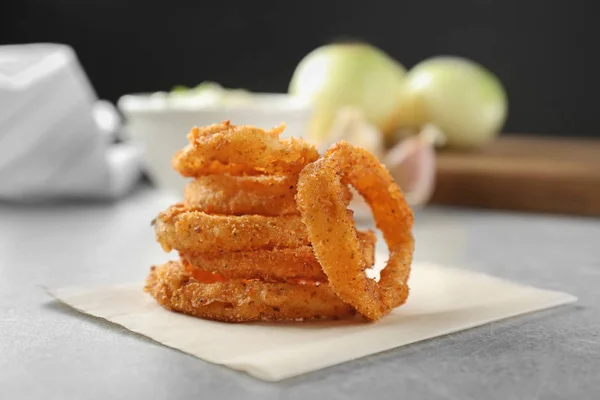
460 97
349 74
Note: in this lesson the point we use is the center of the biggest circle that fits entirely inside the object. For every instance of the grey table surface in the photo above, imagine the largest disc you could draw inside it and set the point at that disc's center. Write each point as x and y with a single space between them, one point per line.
49 351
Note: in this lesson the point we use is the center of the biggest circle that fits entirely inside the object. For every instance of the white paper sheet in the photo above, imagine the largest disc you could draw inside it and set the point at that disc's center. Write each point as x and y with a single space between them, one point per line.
443 300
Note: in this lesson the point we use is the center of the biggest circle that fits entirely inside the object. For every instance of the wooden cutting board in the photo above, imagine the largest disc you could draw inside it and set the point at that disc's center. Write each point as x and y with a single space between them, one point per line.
523 173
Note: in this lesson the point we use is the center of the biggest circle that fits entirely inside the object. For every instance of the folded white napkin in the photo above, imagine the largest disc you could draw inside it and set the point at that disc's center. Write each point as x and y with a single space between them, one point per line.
56 139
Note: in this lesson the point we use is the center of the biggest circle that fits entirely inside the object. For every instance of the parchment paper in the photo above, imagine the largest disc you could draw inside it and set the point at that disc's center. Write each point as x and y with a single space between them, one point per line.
442 300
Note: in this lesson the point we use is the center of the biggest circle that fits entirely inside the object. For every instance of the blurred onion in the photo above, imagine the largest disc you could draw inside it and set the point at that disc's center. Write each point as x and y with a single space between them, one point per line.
460 97
349 74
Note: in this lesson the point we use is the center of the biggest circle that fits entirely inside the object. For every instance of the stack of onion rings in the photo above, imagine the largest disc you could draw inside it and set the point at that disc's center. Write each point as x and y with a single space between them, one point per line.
244 250
264 232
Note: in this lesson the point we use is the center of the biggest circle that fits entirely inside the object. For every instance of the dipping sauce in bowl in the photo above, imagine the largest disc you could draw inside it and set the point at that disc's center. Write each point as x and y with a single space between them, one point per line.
159 122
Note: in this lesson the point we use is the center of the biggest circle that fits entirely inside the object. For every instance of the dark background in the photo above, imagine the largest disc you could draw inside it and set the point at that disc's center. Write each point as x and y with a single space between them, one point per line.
541 50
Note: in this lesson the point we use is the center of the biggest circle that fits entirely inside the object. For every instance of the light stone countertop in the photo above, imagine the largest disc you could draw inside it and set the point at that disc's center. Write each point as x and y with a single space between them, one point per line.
48 351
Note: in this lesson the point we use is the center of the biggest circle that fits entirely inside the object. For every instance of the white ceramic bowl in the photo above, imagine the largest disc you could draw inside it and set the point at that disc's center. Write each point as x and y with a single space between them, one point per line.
160 128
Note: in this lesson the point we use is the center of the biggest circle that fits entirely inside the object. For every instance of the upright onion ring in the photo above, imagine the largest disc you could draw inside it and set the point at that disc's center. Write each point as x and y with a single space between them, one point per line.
332 230
195 231
277 265
240 300
242 150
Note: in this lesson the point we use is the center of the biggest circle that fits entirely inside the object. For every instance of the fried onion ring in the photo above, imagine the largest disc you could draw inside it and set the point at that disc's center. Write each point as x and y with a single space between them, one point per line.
195 231
277 265
332 230
241 300
240 195
242 150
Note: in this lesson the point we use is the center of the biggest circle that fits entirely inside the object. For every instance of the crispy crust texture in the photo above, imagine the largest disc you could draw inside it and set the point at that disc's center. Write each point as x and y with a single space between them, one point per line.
195 231
270 195
211 150
277 265
240 195
242 300
332 230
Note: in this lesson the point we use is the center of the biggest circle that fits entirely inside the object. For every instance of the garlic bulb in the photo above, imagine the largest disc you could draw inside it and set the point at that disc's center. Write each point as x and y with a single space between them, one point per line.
412 163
